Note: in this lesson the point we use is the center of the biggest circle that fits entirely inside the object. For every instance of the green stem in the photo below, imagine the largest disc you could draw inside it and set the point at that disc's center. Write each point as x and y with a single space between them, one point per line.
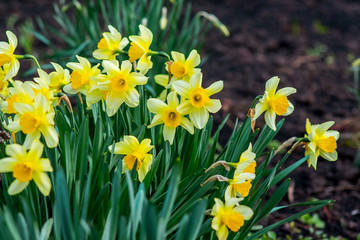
162 54
29 56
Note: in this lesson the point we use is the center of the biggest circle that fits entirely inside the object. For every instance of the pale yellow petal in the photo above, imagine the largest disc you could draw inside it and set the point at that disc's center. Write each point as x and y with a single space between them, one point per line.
193 59
36 150
245 211
213 106
199 117
45 165
178 57
284 92
156 106
169 134
182 88
214 88
51 136
270 118
17 187
7 164
43 182
132 97
271 85
185 123
16 151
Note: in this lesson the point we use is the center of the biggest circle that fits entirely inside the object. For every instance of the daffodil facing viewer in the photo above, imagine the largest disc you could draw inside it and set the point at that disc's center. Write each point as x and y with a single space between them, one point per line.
197 100
274 102
170 115
322 142
34 120
184 69
119 85
229 216
135 152
26 166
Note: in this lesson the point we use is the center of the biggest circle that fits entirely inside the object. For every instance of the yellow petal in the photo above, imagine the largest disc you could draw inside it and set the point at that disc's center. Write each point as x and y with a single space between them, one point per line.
43 182
17 187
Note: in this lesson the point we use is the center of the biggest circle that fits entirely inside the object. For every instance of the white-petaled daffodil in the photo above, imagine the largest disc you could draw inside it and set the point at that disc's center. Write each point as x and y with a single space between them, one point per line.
229 216
322 142
135 152
274 102
26 166
7 55
196 100
110 45
170 115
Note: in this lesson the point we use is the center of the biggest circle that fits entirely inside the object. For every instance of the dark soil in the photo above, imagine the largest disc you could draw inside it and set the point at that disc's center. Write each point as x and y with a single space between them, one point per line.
286 39
309 44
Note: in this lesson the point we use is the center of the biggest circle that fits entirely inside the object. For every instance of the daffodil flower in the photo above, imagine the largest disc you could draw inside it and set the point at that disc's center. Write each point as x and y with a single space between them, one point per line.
170 115
4 83
59 78
197 100
110 45
241 182
140 49
119 85
183 68
322 142
135 152
7 55
229 216
274 102
34 120
80 78
42 86
20 92
26 166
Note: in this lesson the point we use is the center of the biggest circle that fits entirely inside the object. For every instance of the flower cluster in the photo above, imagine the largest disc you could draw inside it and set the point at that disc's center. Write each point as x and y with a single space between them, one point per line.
114 84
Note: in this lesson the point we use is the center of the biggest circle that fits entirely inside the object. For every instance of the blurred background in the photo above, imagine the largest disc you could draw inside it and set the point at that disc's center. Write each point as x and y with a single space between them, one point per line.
311 45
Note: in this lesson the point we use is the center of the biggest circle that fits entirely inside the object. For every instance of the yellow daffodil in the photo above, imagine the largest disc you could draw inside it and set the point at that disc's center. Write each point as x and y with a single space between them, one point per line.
197 100
110 45
59 78
322 142
241 183
7 55
184 69
274 102
3 82
170 115
135 152
140 49
34 120
42 86
26 166
80 78
119 85
20 92
229 216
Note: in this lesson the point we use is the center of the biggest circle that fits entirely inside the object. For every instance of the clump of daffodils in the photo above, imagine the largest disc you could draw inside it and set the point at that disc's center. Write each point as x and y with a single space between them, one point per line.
117 86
